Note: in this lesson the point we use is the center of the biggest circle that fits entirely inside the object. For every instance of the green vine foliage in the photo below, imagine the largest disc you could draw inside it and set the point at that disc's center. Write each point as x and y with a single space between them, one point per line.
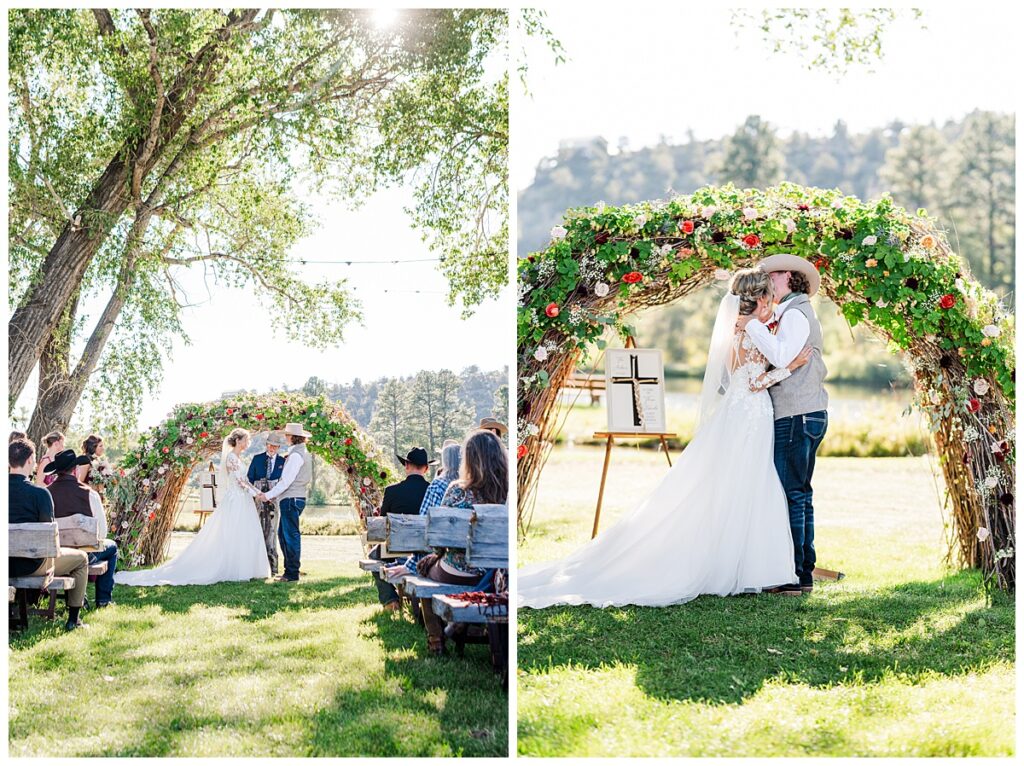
882 265
142 497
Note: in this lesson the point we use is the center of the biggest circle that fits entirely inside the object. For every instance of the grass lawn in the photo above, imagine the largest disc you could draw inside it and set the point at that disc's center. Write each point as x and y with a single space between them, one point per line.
257 669
903 657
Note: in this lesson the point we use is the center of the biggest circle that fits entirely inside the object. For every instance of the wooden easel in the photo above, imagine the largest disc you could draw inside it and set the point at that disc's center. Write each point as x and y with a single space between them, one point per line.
609 437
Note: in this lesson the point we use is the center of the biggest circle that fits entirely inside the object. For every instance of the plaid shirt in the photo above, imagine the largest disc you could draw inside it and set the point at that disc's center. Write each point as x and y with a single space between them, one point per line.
433 497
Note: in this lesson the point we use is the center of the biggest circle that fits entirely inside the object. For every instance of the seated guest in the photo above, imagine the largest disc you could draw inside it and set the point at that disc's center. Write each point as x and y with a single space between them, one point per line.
451 456
496 427
54 442
483 479
29 504
16 435
72 497
404 497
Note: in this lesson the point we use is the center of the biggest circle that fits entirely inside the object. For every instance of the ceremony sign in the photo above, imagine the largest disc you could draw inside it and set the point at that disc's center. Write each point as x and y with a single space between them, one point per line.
635 383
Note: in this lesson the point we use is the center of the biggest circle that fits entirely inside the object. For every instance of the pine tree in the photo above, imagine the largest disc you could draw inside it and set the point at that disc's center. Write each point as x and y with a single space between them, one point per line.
913 169
752 156
389 422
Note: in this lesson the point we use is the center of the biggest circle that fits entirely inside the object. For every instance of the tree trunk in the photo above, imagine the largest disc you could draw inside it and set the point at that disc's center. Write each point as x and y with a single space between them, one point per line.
36 319
64 267
52 411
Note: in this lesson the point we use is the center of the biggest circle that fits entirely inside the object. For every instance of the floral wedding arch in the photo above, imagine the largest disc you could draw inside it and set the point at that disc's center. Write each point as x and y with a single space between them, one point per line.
892 270
144 493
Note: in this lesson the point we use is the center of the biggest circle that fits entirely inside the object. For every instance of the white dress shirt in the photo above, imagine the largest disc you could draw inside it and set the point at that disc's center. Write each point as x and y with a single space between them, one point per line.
288 474
96 506
782 348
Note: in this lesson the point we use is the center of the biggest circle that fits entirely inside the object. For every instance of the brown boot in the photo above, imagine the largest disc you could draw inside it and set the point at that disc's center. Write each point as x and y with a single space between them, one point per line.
391 606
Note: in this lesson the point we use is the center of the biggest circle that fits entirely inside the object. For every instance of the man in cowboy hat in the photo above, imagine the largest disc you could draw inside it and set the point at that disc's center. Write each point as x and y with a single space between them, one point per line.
72 497
496 426
264 473
292 488
800 401
404 497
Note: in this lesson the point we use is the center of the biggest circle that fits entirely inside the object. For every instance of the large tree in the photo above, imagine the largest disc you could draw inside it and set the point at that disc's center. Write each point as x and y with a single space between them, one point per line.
914 169
149 141
752 155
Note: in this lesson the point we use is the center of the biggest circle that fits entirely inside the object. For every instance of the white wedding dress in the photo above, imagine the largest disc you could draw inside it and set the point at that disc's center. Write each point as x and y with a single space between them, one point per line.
718 523
228 548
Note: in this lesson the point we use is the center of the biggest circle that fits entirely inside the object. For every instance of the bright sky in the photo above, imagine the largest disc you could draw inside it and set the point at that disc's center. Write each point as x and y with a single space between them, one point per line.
657 69
234 346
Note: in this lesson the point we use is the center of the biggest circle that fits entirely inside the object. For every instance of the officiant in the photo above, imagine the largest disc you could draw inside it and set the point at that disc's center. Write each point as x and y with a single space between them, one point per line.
264 472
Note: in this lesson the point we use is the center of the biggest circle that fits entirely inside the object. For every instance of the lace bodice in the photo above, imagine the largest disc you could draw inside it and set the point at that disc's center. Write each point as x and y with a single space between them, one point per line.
751 378
236 475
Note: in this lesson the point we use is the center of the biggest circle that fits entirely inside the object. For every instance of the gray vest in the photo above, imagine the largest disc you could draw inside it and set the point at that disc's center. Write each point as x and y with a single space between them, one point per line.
300 487
804 390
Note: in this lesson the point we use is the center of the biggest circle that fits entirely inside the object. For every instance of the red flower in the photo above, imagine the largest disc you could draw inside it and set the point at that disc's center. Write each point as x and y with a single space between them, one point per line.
947 301
165 450
152 515
805 208
522 451
203 435
362 490
348 442
551 310
820 263
229 411
602 237
973 405
751 240
686 227
632 277
259 416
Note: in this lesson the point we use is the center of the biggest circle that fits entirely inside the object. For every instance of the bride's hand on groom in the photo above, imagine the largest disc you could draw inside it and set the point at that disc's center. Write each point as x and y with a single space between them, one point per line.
743 321
801 359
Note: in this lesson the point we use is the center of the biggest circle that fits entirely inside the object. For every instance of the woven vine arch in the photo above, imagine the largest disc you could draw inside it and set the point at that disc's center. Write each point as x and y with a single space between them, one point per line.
890 269
144 494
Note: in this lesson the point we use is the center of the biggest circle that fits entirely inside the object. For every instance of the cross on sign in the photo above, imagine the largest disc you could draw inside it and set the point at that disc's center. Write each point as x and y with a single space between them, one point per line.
635 381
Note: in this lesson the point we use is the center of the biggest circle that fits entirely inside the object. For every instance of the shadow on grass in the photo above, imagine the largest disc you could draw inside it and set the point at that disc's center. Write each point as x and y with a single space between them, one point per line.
724 650
439 706
392 698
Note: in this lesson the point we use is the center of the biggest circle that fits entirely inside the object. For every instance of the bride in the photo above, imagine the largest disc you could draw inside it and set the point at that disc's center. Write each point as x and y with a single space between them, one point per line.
230 546
719 518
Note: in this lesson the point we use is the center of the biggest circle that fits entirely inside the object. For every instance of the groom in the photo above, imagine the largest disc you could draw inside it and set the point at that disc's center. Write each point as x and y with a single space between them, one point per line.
292 488
800 401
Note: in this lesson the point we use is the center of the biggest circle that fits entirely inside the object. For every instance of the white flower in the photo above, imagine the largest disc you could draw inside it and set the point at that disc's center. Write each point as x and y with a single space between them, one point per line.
708 211
991 482
162 470
790 224
601 289
366 481
971 434
837 204
640 220
145 482
599 207
190 440
906 257
991 331
749 213
981 387
983 534
721 274
881 304
936 397
558 232
961 286
540 354
869 240
532 429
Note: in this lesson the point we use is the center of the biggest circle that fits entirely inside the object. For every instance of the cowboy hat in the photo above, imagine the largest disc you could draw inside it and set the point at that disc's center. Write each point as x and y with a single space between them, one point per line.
277 438
489 423
789 262
296 429
64 459
417 456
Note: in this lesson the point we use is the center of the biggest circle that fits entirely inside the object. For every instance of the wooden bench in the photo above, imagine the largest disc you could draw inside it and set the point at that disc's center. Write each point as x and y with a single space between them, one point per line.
592 384
35 541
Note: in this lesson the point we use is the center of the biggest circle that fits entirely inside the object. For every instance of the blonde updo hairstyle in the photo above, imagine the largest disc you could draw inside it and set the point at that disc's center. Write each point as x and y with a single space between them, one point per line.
237 436
750 285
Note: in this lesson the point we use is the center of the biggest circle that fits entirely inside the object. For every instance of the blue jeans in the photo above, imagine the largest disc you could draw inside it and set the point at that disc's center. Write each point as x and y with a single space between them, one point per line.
288 535
105 581
796 441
